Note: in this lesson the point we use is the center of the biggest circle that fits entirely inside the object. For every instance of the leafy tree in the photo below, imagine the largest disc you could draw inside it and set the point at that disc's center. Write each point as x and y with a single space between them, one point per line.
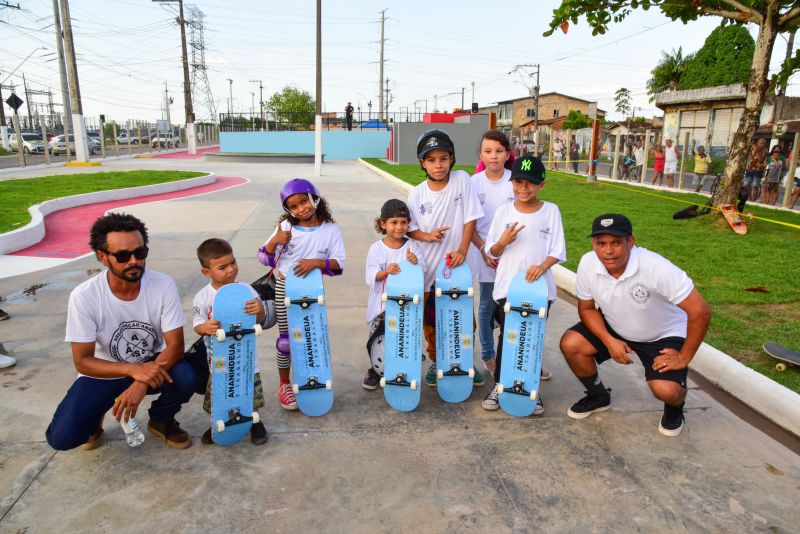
576 120
725 58
771 17
292 105
622 101
666 76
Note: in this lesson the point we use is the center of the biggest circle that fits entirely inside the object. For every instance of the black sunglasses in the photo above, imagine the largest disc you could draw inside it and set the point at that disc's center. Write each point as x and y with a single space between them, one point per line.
122 256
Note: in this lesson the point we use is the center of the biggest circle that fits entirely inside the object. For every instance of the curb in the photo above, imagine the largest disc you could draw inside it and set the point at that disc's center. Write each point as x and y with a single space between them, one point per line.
777 403
33 232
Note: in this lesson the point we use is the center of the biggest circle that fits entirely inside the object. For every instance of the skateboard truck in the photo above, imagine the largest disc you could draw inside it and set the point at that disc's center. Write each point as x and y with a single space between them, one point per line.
525 309
517 389
235 417
313 383
399 380
305 301
455 370
453 293
401 299
237 332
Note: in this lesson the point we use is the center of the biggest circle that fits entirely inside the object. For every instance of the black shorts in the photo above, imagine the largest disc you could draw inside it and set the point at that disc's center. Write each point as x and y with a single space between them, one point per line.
646 351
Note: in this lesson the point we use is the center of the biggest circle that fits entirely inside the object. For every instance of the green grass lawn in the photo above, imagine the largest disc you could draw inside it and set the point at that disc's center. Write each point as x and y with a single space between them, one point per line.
16 196
721 263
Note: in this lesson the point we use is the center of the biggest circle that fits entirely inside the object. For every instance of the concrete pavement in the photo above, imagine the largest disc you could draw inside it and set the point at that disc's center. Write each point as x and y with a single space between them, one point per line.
365 467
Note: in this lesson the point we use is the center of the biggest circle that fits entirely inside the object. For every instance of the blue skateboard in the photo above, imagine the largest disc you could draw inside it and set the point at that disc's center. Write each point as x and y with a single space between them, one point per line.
402 367
309 343
454 343
232 366
523 341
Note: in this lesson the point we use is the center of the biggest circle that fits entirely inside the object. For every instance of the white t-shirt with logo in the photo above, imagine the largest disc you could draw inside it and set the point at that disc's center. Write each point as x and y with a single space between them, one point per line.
323 242
453 207
542 236
124 331
640 305
378 257
202 309
491 195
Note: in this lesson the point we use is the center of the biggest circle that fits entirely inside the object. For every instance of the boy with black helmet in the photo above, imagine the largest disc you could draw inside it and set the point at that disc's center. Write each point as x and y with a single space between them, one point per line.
444 210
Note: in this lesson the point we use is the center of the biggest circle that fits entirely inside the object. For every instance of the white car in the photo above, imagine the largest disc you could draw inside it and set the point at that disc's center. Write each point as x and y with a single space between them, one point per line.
165 140
58 146
31 143
124 139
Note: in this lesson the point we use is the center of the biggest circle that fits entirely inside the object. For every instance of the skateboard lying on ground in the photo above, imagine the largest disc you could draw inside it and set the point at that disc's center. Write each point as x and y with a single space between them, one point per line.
734 218
454 343
232 365
402 361
779 352
309 343
523 341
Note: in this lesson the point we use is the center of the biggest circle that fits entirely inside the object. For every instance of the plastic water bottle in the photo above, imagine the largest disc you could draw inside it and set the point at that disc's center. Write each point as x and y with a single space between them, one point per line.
133 432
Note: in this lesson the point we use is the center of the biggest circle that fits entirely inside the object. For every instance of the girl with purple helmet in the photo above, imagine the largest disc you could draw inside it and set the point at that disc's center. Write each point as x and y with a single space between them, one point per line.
305 239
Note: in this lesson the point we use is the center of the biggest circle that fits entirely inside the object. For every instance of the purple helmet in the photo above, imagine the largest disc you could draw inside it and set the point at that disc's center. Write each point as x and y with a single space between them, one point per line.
299 185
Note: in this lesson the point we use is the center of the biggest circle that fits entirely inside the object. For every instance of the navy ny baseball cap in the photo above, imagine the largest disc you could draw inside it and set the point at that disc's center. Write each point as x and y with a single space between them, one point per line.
528 167
394 208
612 224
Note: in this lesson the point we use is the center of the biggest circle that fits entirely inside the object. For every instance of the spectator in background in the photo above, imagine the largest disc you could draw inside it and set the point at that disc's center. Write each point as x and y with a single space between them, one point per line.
638 154
574 155
796 186
348 114
702 166
670 162
775 169
754 171
658 164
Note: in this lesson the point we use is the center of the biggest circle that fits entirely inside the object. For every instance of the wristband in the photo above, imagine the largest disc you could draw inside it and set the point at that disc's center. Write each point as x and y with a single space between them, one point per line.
327 271
266 258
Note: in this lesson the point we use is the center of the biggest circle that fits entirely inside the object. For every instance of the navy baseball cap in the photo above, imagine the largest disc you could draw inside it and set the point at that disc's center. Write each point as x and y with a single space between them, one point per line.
612 224
394 208
528 167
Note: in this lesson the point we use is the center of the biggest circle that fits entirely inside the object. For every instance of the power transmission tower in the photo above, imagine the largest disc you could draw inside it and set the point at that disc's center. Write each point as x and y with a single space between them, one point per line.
201 87
381 61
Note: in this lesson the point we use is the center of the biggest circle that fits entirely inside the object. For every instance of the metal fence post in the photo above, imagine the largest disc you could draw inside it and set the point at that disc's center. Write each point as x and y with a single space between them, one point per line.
683 158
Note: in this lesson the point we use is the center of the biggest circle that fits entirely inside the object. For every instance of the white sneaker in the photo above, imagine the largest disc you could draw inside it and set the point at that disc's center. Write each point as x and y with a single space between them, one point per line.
545 374
491 402
539 405
7 361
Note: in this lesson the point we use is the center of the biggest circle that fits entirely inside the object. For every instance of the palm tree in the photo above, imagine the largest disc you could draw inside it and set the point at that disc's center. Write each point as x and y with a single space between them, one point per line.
667 74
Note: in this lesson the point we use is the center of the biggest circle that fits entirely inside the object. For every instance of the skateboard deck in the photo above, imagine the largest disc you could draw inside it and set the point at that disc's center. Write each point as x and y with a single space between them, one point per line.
232 365
402 361
454 343
309 343
779 352
734 218
523 341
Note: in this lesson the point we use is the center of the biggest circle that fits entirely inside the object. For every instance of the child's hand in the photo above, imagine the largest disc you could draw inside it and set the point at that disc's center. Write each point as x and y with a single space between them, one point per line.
252 307
303 267
509 235
209 328
456 258
282 237
437 234
410 256
534 272
488 260
392 268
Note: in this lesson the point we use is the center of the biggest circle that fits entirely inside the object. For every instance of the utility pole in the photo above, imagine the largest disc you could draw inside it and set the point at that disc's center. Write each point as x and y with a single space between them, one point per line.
62 71
260 100
380 63
473 95
230 100
388 101
27 101
78 124
252 111
462 98
318 97
167 102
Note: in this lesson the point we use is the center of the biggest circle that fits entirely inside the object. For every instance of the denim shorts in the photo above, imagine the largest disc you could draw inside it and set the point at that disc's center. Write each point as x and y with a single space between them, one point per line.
752 178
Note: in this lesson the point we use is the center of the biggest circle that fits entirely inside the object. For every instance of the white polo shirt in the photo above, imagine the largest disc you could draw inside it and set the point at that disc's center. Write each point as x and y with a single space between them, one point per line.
640 305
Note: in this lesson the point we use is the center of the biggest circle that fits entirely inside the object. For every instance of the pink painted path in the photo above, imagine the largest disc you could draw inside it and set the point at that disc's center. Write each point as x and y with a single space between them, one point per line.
184 154
67 231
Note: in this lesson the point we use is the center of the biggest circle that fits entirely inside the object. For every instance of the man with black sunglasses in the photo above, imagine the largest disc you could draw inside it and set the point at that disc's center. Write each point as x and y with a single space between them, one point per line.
126 330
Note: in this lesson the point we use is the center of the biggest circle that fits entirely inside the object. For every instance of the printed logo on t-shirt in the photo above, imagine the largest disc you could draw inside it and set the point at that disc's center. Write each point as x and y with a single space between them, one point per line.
482 197
134 342
639 293
426 208
323 252
288 249
544 233
458 199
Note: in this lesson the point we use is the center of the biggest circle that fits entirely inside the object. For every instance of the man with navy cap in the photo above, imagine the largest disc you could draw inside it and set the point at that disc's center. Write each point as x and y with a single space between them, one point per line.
633 302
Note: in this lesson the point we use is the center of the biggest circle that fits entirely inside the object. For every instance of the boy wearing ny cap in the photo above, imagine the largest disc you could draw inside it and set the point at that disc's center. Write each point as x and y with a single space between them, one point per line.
525 235
383 259
633 301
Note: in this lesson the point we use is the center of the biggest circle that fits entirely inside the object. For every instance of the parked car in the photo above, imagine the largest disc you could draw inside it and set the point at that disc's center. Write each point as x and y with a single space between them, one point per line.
58 146
31 143
167 140
95 138
123 138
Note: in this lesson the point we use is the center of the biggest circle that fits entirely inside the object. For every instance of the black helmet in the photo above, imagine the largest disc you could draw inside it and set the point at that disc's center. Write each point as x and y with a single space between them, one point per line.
435 140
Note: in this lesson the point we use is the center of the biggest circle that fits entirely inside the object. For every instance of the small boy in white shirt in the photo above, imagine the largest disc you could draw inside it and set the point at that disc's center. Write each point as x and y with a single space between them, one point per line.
383 259
526 235
219 264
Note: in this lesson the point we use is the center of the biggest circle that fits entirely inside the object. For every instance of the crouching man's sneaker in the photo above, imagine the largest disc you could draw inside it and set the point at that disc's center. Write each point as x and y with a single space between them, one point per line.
258 434
671 422
171 432
371 379
590 404
491 401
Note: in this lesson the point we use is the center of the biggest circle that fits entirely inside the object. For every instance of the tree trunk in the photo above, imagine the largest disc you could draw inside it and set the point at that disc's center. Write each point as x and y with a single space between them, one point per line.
756 89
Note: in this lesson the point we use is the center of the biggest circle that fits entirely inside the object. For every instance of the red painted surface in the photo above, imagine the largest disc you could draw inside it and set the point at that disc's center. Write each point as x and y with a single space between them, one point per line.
184 154
67 231
442 117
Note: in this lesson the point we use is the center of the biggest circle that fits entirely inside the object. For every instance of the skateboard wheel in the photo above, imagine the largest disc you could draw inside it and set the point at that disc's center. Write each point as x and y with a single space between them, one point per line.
328 385
438 292
295 389
439 374
287 302
781 367
470 292
257 329
416 299
507 307
471 372
220 425
321 300
383 381
220 334
256 418
413 385
499 389
384 297
542 313
533 395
